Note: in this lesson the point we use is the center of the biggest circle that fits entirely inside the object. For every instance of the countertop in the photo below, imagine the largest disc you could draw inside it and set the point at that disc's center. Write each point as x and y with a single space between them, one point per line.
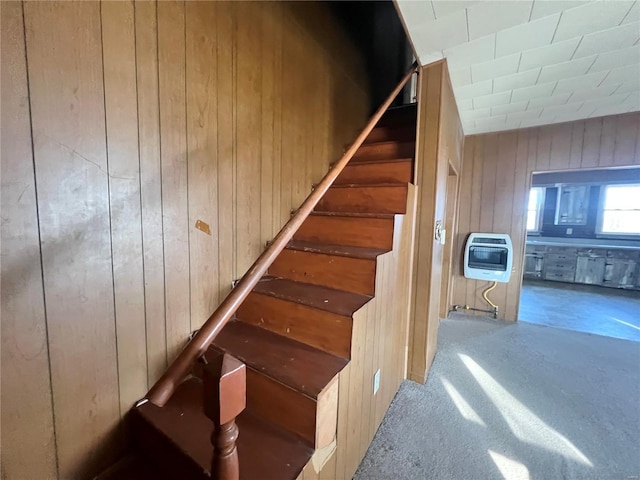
585 242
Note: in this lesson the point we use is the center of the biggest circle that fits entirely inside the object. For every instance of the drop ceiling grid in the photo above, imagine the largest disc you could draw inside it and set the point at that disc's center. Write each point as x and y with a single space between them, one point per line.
521 63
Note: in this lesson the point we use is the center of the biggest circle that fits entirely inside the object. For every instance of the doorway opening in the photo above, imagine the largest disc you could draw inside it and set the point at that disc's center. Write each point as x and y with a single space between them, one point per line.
582 255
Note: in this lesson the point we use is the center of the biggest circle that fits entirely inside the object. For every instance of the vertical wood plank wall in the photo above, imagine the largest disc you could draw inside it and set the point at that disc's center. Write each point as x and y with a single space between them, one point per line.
124 123
496 177
439 146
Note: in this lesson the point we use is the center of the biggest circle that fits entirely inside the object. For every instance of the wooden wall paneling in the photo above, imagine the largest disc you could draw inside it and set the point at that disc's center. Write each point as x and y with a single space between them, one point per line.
463 219
358 349
591 143
607 141
595 142
504 190
625 146
518 219
577 137
248 138
447 264
544 149
27 411
276 14
150 186
560 154
476 194
300 186
202 147
288 112
68 120
430 83
225 51
119 56
342 430
267 98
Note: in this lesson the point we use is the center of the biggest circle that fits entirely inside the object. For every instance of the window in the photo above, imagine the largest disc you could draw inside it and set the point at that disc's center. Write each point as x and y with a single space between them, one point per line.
534 209
620 211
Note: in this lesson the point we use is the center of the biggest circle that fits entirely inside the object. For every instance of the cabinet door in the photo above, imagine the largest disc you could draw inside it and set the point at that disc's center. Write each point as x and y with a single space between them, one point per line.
590 270
619 273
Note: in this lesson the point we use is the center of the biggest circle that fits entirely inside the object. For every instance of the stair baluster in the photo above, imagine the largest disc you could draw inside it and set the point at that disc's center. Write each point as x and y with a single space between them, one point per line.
225 397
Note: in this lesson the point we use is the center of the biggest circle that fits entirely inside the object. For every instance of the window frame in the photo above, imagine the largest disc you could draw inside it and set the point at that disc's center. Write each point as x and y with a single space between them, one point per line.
539 210
601 212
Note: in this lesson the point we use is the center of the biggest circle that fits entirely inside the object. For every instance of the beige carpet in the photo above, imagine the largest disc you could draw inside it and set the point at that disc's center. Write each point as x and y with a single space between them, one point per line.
515 401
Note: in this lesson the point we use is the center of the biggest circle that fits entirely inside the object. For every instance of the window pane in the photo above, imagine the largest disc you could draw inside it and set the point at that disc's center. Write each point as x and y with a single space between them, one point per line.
532 216
533 198
622 197
620 221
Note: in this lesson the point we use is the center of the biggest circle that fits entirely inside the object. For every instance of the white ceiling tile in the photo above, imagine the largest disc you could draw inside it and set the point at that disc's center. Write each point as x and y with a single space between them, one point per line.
435 36
427 58
589 106
415 13
554 53
592 93
561 109
489 17
474 90
468 53
544 8
516 81
560 99
609 110
590 18
491 122
464 105
583 82
477 113
532 122
633 15
461 77
443 8
495 68
628 87
491 100
527 36
509 108
616 59
607 40
527 114
562 70
536 91
621 75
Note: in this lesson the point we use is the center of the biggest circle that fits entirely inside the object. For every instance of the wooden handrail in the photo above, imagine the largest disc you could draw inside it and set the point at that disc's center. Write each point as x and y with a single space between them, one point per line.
178 370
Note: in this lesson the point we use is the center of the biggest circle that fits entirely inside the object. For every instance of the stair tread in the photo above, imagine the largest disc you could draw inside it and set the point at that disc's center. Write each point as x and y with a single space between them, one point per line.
340 250
322 298
294 364
365 160
264 450
369 185
352 214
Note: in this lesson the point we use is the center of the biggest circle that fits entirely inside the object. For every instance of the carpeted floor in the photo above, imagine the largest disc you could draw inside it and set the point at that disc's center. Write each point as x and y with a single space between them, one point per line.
515 401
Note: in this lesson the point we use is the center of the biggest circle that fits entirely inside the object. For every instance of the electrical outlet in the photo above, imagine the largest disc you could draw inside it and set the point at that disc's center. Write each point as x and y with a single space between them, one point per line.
569 231
376 381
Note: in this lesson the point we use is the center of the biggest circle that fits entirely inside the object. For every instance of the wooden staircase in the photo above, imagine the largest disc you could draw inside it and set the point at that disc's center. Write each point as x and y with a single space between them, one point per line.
294 330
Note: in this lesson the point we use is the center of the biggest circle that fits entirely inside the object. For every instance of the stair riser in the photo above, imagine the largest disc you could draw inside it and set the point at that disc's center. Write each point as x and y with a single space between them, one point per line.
388 134
353 231
342 273
385 151
383 172
282 406
363 199
324 330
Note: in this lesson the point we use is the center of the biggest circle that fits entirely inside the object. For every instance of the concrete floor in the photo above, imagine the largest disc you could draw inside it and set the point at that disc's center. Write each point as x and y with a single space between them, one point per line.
584 308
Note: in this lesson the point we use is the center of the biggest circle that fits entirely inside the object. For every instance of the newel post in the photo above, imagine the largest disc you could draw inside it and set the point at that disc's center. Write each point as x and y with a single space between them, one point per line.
225 397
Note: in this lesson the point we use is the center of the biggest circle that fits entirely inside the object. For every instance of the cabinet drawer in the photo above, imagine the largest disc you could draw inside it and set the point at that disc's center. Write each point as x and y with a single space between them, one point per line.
559 276
563 250
560 268
536 248
560 258
623 254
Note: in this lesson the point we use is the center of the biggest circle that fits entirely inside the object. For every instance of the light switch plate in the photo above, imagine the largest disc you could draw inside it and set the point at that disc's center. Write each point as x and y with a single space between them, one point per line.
569 231
376 381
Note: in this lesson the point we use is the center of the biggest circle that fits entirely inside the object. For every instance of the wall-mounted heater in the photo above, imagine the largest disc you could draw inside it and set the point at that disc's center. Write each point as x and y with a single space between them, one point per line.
488 256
